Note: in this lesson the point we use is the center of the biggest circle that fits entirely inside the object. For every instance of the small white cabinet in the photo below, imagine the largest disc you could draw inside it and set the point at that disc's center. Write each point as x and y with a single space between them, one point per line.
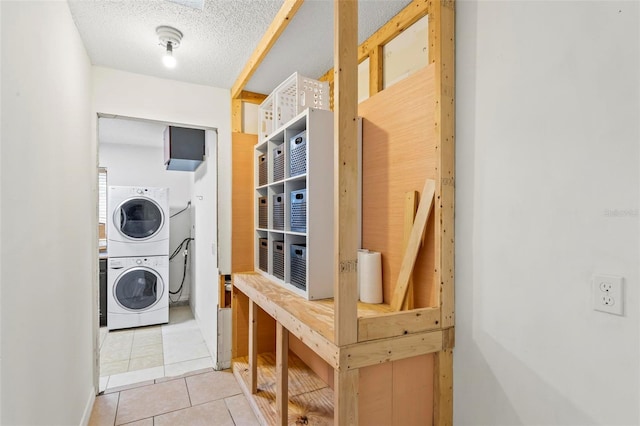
294 205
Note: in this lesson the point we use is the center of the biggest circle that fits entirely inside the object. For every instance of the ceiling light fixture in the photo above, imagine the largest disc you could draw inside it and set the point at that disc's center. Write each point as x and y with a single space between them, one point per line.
170 39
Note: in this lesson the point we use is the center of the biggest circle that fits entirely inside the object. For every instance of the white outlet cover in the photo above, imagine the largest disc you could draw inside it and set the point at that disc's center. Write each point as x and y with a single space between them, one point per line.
608 294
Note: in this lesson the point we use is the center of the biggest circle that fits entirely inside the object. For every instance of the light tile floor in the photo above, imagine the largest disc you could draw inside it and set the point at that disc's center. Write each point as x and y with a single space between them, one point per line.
148 353
204 397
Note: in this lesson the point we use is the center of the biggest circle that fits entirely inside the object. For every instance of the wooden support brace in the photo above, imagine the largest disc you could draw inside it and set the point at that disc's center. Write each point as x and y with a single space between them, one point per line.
236 115
346 171
375 70
443 388
409 259
252 97
410 206
253 346
345 394
282 374
279 23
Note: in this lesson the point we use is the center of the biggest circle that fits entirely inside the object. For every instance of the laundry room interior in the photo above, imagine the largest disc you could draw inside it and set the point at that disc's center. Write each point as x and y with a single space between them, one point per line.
395 212
132 158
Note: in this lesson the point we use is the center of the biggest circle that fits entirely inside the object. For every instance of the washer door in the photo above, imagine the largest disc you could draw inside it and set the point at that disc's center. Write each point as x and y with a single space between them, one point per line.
138 219
138 289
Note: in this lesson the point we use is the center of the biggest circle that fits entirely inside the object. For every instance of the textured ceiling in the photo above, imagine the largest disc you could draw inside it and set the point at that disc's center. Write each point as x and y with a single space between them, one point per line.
219 38
306 45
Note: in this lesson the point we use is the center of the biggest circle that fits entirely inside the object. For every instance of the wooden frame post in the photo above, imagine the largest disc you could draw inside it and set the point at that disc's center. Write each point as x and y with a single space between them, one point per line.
253 346
346 170
442 54
346 397
345 65
282 374
236 115
279 23
375 70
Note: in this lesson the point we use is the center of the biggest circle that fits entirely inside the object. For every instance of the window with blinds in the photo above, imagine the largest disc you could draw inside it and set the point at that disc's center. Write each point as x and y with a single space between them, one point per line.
102 195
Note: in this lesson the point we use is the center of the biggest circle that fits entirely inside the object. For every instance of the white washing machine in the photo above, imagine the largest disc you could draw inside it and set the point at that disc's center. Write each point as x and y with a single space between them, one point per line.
137 291
137 221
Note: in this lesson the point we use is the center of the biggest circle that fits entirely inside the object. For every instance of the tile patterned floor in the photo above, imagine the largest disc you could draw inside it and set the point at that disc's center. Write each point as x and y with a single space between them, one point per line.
148 353
204 397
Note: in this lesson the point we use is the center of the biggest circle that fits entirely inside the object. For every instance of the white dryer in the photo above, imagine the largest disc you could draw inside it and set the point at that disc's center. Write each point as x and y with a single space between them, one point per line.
137 221
137 291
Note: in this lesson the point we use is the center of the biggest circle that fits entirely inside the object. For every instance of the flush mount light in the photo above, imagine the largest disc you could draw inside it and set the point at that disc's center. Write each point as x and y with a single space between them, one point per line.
170 39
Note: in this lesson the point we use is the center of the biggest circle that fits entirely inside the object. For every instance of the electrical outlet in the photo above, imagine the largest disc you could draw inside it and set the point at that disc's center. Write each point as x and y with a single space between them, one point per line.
608 294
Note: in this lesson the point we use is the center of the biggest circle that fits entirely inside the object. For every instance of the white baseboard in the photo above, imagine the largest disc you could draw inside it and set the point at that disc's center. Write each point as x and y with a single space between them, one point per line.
88 408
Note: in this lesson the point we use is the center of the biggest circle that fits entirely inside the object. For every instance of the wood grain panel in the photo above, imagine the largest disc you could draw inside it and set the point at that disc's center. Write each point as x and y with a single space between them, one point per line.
323 370
242 156
399 153
240 327
312 321
375 398
397 393
413 391
309 397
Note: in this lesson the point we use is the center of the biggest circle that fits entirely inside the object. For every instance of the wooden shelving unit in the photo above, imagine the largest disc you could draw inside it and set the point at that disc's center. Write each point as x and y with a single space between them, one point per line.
364 364
317 182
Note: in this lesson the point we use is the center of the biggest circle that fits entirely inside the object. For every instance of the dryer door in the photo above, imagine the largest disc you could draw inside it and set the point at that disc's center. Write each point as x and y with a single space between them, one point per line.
138 219
138 289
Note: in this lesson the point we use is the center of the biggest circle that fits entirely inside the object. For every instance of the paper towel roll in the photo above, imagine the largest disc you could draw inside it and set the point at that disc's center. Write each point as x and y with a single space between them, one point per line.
370 276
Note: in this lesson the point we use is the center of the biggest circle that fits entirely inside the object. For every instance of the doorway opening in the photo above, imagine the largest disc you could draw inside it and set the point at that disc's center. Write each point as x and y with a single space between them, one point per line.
139 282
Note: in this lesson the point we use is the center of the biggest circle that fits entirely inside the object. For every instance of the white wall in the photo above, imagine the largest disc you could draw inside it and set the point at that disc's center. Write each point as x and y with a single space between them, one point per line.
49 218
547 131
205 286
138 96
131 165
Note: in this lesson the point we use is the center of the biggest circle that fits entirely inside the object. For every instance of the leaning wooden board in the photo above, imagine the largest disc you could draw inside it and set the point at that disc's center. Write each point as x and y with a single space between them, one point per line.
399 153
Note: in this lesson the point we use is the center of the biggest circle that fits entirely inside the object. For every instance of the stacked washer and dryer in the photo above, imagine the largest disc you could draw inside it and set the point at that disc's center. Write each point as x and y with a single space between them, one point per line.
138 266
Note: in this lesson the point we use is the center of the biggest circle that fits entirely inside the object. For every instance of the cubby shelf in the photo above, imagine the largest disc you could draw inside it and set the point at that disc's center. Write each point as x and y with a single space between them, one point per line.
304 145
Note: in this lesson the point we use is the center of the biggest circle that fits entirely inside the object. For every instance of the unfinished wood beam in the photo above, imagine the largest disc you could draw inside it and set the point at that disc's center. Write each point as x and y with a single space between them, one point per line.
282 374
403 20
442 54
415 239
378 351
323 346
396 25
279 23
252 97
345 397
375 70
410 206
398 323
236 115
253 347
346 171
443 388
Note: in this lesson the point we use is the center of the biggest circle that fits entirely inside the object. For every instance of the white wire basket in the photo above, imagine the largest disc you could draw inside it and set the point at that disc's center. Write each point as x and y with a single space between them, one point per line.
296 94
265 115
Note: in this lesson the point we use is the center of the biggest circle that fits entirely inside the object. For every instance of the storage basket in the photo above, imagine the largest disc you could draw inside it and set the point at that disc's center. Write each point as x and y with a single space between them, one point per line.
263 213
278 212
265 117
278 259
298 154
299 210
263 254
296 94
278 164
299 266
262 170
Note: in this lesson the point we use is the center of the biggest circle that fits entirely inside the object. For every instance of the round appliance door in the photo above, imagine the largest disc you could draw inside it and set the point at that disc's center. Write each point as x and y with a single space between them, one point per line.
138 289
139 218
